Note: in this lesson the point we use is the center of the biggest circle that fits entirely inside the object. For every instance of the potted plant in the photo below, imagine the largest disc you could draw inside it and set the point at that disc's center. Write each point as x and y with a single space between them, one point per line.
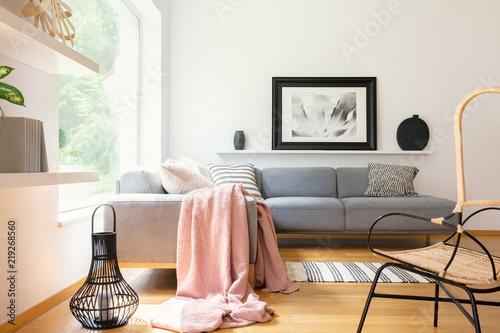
8 92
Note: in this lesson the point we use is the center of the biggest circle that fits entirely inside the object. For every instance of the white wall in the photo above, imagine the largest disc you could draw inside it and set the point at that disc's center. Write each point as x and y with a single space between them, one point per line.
48 258
425 54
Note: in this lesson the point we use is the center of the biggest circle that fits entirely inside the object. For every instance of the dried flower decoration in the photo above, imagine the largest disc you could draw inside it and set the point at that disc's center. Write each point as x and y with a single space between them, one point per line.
53 17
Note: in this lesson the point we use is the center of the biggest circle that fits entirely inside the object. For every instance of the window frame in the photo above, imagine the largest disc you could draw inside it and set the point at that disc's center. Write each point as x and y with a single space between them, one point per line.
149 98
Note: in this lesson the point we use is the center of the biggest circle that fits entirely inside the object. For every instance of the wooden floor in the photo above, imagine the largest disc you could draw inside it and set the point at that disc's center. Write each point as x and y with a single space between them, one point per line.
317 307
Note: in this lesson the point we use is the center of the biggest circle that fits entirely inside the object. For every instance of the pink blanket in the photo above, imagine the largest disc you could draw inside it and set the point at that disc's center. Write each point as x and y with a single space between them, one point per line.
212 265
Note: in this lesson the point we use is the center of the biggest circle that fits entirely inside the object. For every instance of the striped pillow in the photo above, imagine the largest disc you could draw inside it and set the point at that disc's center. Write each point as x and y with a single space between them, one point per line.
386 180
236 174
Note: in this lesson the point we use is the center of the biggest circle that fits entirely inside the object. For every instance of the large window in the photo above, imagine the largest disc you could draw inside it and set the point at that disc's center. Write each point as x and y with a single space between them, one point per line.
99 114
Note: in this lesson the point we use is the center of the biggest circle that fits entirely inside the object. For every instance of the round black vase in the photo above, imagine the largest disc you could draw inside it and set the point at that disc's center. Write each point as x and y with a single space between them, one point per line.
239 140
413 134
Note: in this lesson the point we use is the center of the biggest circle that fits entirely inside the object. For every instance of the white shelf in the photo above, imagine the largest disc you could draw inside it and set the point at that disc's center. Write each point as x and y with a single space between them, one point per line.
22 41
331 152
13 180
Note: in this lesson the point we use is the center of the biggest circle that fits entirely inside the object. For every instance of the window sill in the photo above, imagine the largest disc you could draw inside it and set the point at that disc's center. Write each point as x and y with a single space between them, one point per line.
76 216
82 212
13 180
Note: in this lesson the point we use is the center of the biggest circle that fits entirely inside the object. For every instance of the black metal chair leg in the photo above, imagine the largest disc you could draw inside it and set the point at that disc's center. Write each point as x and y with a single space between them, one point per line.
369 299
473 306
365 311
474 319
436 304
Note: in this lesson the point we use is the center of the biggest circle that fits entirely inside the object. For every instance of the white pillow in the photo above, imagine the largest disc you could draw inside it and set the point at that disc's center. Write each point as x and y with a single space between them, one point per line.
197 167
177 178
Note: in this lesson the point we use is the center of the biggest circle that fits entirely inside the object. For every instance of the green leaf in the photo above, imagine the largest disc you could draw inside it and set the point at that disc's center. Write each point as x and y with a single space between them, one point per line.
2 122
4 71
11 94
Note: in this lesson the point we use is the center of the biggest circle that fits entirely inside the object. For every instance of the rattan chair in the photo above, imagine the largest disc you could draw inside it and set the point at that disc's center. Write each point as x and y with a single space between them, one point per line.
474 270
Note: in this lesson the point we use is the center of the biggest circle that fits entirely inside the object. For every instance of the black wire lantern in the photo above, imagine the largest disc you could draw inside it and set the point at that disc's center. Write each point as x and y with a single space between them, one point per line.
105 300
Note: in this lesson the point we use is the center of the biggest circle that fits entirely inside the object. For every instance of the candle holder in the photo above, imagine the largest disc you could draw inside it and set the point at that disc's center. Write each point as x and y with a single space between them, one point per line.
105 300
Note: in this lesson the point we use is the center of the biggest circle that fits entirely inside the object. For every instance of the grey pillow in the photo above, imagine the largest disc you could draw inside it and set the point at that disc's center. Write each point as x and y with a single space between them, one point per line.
387 180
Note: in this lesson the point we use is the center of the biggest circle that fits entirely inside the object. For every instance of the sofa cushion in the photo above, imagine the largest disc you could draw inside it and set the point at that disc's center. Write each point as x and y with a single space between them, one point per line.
352 182
306 214
243 174
258 178
197 167
361 212
179 178
386 180
299 182
140 179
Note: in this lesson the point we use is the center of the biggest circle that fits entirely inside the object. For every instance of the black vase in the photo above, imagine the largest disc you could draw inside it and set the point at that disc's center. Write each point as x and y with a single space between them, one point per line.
413 134
239 140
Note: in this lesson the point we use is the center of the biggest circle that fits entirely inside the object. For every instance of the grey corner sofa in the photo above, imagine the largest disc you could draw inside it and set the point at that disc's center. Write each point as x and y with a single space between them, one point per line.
302 200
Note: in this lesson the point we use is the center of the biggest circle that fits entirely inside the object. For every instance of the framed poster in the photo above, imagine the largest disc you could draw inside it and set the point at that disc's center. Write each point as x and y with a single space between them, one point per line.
324 113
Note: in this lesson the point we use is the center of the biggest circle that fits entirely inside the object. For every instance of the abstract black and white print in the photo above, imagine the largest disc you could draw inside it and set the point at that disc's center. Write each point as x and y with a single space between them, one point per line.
323 115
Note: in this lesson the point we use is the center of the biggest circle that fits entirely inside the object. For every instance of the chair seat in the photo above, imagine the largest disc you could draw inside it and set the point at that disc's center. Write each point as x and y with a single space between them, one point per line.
468 267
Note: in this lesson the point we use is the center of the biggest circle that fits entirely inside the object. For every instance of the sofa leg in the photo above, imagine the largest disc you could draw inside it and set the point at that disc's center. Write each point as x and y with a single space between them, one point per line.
251 275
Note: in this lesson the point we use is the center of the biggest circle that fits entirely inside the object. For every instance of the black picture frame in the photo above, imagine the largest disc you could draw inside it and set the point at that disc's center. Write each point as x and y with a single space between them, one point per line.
302 119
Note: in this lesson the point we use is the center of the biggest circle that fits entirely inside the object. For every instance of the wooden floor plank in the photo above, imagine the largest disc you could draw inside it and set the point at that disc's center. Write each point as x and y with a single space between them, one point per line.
317 307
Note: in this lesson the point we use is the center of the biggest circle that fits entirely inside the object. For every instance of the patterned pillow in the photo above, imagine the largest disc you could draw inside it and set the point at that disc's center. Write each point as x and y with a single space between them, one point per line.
386 180
236 174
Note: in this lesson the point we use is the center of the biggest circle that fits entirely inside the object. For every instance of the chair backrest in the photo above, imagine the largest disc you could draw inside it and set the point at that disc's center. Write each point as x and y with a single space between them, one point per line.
462 200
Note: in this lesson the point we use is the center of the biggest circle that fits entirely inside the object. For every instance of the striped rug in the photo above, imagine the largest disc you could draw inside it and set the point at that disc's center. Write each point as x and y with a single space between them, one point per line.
347 272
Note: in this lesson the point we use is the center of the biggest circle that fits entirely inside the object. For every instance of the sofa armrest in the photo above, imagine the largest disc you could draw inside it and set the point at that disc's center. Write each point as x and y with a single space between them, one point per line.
146 226
118 186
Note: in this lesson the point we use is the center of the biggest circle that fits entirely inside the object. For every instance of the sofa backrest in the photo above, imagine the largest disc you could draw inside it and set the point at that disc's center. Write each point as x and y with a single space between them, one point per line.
352 182
140 179
258 178
273 182
299 182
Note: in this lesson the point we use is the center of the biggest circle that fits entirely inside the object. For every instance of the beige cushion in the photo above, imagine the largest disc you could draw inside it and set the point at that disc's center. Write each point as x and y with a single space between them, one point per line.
177 178
197 167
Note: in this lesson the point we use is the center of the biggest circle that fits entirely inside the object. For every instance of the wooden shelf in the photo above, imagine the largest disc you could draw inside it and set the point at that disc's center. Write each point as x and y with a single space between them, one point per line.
331 152
13 180
25 43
